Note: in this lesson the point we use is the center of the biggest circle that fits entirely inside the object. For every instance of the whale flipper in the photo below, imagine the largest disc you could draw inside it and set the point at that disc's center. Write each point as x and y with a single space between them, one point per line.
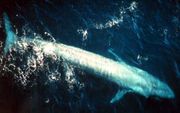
119 95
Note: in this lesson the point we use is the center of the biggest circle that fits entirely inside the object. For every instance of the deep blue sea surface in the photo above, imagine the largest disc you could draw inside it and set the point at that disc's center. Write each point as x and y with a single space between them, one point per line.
143 33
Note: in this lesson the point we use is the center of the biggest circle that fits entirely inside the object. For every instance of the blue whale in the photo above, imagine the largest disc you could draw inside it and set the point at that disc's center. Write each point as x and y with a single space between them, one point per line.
131 79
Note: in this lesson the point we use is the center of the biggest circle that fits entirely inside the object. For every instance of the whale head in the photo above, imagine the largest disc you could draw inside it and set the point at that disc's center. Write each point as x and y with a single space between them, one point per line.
161 89
148 85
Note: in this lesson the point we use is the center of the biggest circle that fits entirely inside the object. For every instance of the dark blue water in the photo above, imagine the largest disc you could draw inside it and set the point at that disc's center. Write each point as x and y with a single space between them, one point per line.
145 34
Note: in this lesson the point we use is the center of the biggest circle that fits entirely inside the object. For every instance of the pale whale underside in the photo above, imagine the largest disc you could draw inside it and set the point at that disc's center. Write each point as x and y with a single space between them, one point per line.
132 79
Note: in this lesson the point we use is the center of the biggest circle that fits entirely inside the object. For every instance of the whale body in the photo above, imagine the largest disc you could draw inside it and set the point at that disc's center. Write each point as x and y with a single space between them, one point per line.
130 78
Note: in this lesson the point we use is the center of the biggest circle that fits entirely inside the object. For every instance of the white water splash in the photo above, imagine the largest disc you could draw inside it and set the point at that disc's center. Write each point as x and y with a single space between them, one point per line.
54 76
70 77
133 6
84 33
111 23
116 20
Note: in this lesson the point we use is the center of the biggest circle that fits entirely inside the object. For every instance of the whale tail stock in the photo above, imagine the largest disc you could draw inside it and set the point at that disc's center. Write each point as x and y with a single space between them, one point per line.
10 35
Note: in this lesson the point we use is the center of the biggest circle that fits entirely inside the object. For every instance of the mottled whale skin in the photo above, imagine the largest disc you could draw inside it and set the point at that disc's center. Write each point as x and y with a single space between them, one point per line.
130 78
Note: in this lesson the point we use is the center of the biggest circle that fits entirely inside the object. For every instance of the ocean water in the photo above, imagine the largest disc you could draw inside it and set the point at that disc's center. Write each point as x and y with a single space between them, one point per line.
144 34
